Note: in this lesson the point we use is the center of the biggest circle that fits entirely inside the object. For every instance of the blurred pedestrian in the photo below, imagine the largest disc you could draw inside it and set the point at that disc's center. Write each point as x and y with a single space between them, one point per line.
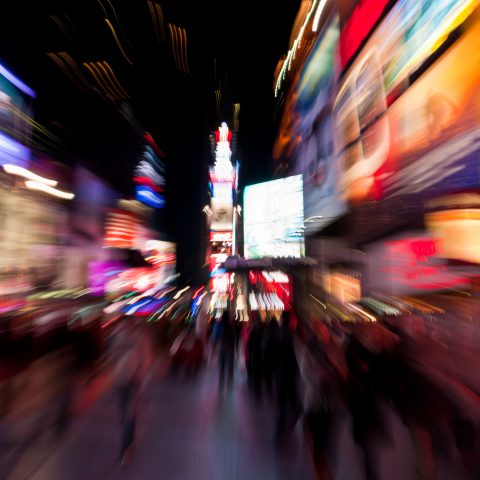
369 358
215 332
66 376
128 374
286 382
254 355
270 355
187 353
226 352
424 406
318 398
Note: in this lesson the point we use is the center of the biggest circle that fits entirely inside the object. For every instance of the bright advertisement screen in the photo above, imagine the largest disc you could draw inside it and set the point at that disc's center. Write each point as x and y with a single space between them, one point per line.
15 118
425 146
377 118
315 156
222 218
273 218
316 81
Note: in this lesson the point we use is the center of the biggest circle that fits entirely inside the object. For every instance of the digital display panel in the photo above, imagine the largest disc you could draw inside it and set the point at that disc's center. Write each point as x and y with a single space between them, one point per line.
15 116
222 218
316 81
315 156
379 115
400 148
273 218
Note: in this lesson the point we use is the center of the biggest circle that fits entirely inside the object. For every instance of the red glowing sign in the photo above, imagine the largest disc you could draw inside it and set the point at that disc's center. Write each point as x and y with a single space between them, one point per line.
121 229
153 144
148 182
415 263
223 134
359 25
417 250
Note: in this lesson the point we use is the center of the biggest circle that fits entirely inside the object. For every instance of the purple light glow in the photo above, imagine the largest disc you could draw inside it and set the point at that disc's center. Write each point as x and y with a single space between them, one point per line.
17 82
12 152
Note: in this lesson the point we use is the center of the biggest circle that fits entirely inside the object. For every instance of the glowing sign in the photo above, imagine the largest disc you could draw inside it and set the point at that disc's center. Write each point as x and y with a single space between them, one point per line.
223 191
265 301
223 134
459 231
121 229
413 263
273 218
221 207
358 26
149 197
220 236
223 169
275 277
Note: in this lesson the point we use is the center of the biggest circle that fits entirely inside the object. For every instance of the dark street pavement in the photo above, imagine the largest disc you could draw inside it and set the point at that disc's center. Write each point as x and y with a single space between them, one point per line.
188 431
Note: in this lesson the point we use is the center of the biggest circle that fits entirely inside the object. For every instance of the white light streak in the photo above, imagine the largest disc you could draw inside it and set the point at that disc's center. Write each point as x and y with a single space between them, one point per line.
291 53
318 301
23 172
318 13
46 189
177 295
362 312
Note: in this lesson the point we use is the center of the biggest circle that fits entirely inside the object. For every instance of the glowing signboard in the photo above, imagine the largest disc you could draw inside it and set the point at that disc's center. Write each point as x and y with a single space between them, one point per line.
273 218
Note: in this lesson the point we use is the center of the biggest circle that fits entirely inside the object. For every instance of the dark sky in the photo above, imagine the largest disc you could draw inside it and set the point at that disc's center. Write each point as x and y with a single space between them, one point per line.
234 46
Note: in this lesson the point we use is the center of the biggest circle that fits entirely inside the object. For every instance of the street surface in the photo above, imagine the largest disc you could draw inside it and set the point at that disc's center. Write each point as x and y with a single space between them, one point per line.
187 431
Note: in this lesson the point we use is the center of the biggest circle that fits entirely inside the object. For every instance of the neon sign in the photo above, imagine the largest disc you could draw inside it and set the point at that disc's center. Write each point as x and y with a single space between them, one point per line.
415 262
220 236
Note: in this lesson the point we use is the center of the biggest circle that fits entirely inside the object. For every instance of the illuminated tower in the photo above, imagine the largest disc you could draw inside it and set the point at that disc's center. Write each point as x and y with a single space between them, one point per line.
222 181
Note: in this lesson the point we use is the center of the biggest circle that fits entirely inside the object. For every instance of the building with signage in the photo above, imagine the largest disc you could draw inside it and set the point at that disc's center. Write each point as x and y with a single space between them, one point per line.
221 213
381 117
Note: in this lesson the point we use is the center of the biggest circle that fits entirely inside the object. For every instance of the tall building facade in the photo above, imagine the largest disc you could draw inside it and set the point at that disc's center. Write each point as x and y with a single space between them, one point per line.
221 212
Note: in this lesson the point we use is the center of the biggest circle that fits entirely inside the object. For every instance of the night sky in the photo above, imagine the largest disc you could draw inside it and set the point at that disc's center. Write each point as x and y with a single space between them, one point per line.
231 46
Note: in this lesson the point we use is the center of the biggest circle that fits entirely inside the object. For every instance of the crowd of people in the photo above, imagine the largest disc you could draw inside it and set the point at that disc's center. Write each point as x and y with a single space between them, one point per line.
317 373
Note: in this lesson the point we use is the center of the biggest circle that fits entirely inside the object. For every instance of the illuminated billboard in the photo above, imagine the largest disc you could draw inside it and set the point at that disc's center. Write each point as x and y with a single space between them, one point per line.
15 117
121 229
400 147
273 218
315 156
377 118
149 176
316 80
411 263
222 218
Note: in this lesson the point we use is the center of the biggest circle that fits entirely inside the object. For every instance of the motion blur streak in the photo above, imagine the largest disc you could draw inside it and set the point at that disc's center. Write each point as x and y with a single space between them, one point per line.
23 172
71 76
113 85
52 191
117 83
117 41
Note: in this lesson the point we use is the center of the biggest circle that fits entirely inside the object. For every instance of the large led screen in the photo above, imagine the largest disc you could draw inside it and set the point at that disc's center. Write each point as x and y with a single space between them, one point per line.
380 125
222 218
315 156
399 148
273 218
